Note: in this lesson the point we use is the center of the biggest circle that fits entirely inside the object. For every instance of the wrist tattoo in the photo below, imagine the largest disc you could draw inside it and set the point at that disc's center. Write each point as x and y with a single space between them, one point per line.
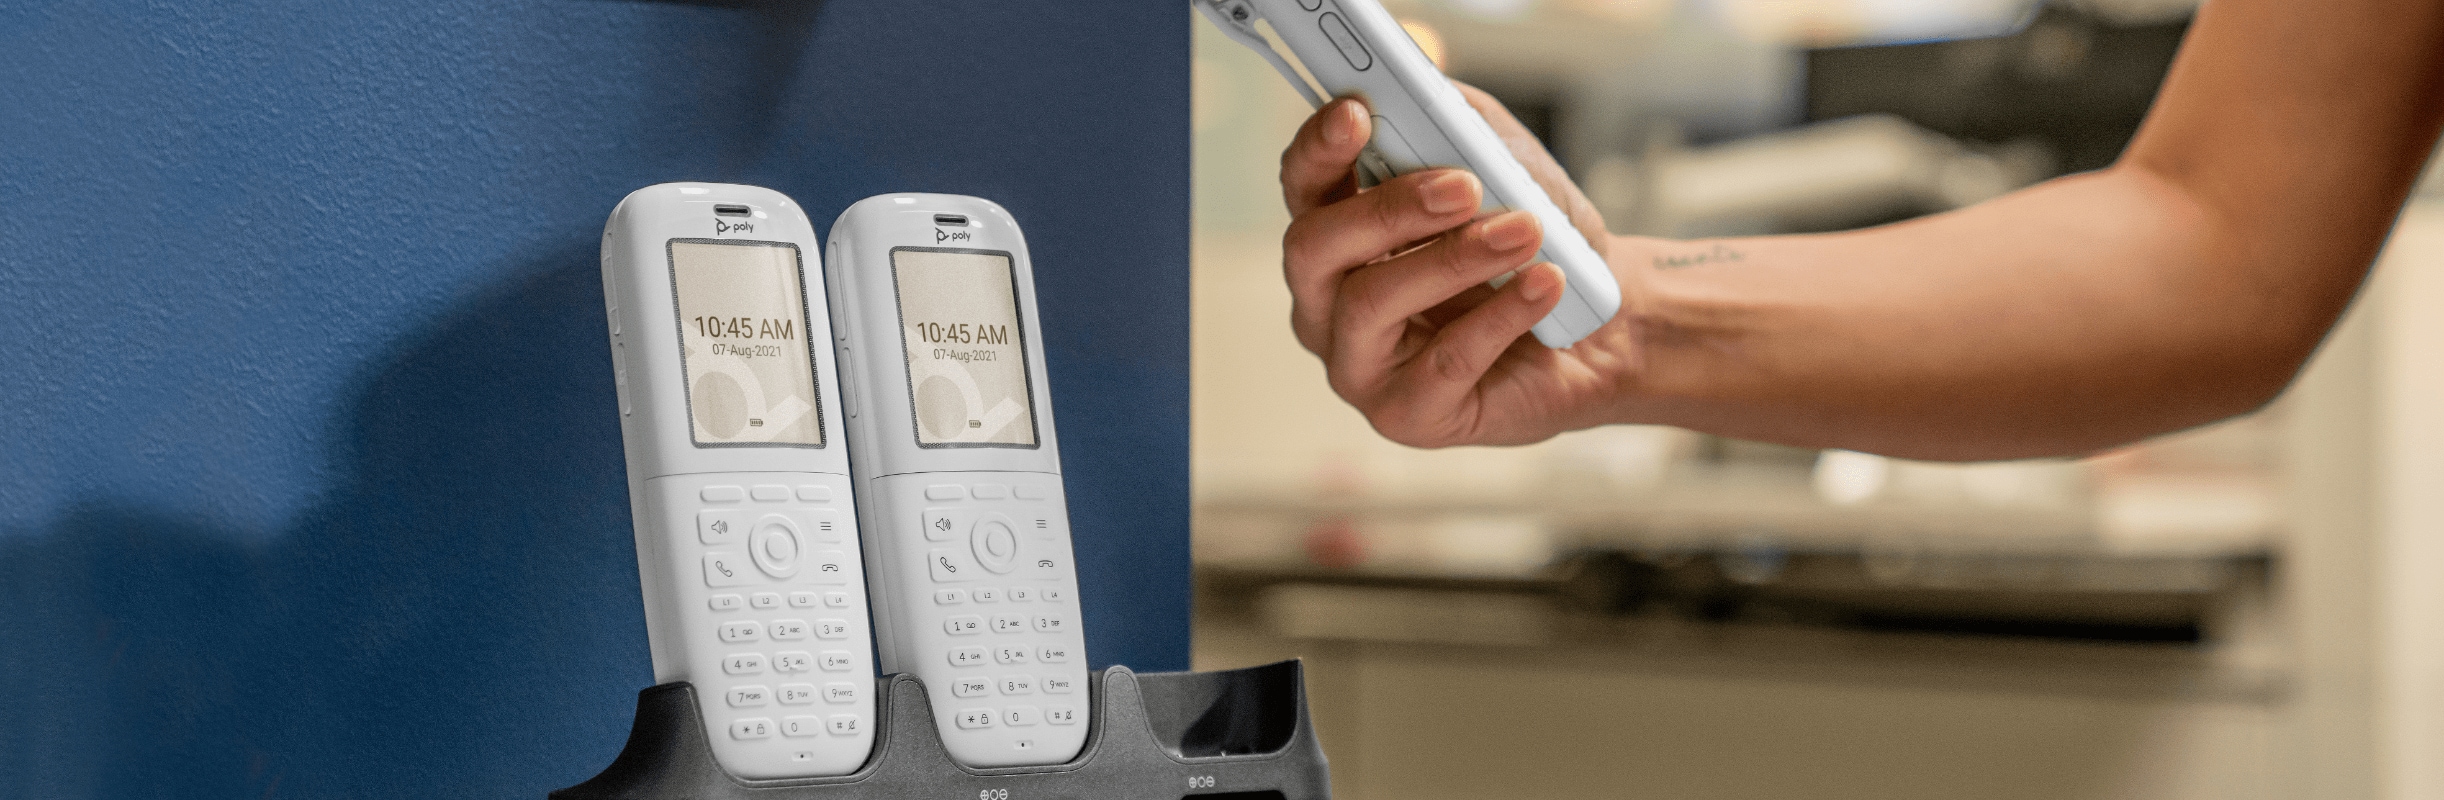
1714 254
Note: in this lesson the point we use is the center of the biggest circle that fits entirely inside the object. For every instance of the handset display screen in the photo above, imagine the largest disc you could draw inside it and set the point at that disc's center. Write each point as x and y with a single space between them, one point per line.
966 353
743 344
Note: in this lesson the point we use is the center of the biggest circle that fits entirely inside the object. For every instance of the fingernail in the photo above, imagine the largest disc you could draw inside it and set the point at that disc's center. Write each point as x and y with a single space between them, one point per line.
1535 290
1509 231
1449 193
1340 131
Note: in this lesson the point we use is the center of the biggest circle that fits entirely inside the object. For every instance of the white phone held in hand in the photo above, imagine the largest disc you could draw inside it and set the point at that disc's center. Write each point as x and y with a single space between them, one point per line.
738 476
959 473
1354 47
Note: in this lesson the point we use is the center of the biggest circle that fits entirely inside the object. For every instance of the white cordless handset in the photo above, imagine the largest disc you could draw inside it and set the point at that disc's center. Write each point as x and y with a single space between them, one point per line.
958 473
1354 47
746 539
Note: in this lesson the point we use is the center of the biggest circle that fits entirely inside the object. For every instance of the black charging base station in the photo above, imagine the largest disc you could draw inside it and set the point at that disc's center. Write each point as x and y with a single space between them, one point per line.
1233 735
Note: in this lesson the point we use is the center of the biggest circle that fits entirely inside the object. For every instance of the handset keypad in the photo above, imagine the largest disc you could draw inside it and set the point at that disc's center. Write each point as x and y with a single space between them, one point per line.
996 555
783 580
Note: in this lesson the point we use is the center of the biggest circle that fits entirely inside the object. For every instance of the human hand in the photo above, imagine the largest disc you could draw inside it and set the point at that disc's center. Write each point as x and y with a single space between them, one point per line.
1388 288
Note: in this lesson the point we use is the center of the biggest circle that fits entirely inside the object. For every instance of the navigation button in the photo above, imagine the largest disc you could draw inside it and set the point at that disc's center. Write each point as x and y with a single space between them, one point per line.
722 494
774 545
1021 594
995 542
718 526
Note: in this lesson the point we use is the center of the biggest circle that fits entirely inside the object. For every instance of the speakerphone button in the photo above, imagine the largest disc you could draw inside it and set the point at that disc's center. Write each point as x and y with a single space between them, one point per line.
944 524
722 494
1346 40
717 526
768 493
815 494
990 491
945 491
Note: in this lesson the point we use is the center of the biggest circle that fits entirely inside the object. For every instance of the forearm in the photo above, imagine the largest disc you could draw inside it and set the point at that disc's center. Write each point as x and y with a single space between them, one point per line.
2072 316
2185 284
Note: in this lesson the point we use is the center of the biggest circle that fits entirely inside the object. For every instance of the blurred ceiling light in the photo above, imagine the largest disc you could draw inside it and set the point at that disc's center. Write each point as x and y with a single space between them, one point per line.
1429 40
1639 14
1492 9
1839 23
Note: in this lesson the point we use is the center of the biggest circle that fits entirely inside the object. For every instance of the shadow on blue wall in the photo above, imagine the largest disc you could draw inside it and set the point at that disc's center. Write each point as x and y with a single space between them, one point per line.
343 644
323 497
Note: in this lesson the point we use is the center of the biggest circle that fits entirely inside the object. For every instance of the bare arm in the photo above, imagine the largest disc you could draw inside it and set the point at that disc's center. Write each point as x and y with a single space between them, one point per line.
2185 284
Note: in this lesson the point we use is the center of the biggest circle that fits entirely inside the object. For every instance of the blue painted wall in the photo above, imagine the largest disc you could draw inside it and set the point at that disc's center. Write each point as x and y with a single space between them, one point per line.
310 482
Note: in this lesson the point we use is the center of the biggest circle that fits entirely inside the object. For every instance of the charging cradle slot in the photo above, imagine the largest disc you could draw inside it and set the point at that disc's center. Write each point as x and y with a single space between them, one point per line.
1240 733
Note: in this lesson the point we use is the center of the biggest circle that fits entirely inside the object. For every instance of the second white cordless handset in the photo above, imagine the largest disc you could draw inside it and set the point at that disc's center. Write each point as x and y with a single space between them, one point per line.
738 476
959 475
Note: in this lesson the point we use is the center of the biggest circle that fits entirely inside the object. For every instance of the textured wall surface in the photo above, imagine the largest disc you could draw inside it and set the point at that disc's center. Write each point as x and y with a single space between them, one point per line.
310 482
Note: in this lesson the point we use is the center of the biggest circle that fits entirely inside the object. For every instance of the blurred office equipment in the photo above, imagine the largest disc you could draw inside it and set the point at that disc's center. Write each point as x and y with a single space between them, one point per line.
2226 612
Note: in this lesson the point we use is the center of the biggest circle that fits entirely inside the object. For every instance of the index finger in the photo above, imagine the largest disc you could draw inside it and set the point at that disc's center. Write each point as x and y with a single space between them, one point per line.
1316 167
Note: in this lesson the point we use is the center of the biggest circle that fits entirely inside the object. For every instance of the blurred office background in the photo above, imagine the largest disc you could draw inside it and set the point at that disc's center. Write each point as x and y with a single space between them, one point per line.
2249 610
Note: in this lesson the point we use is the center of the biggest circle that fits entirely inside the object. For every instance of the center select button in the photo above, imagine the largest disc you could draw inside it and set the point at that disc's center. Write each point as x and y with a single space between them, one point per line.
775 545
995 542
